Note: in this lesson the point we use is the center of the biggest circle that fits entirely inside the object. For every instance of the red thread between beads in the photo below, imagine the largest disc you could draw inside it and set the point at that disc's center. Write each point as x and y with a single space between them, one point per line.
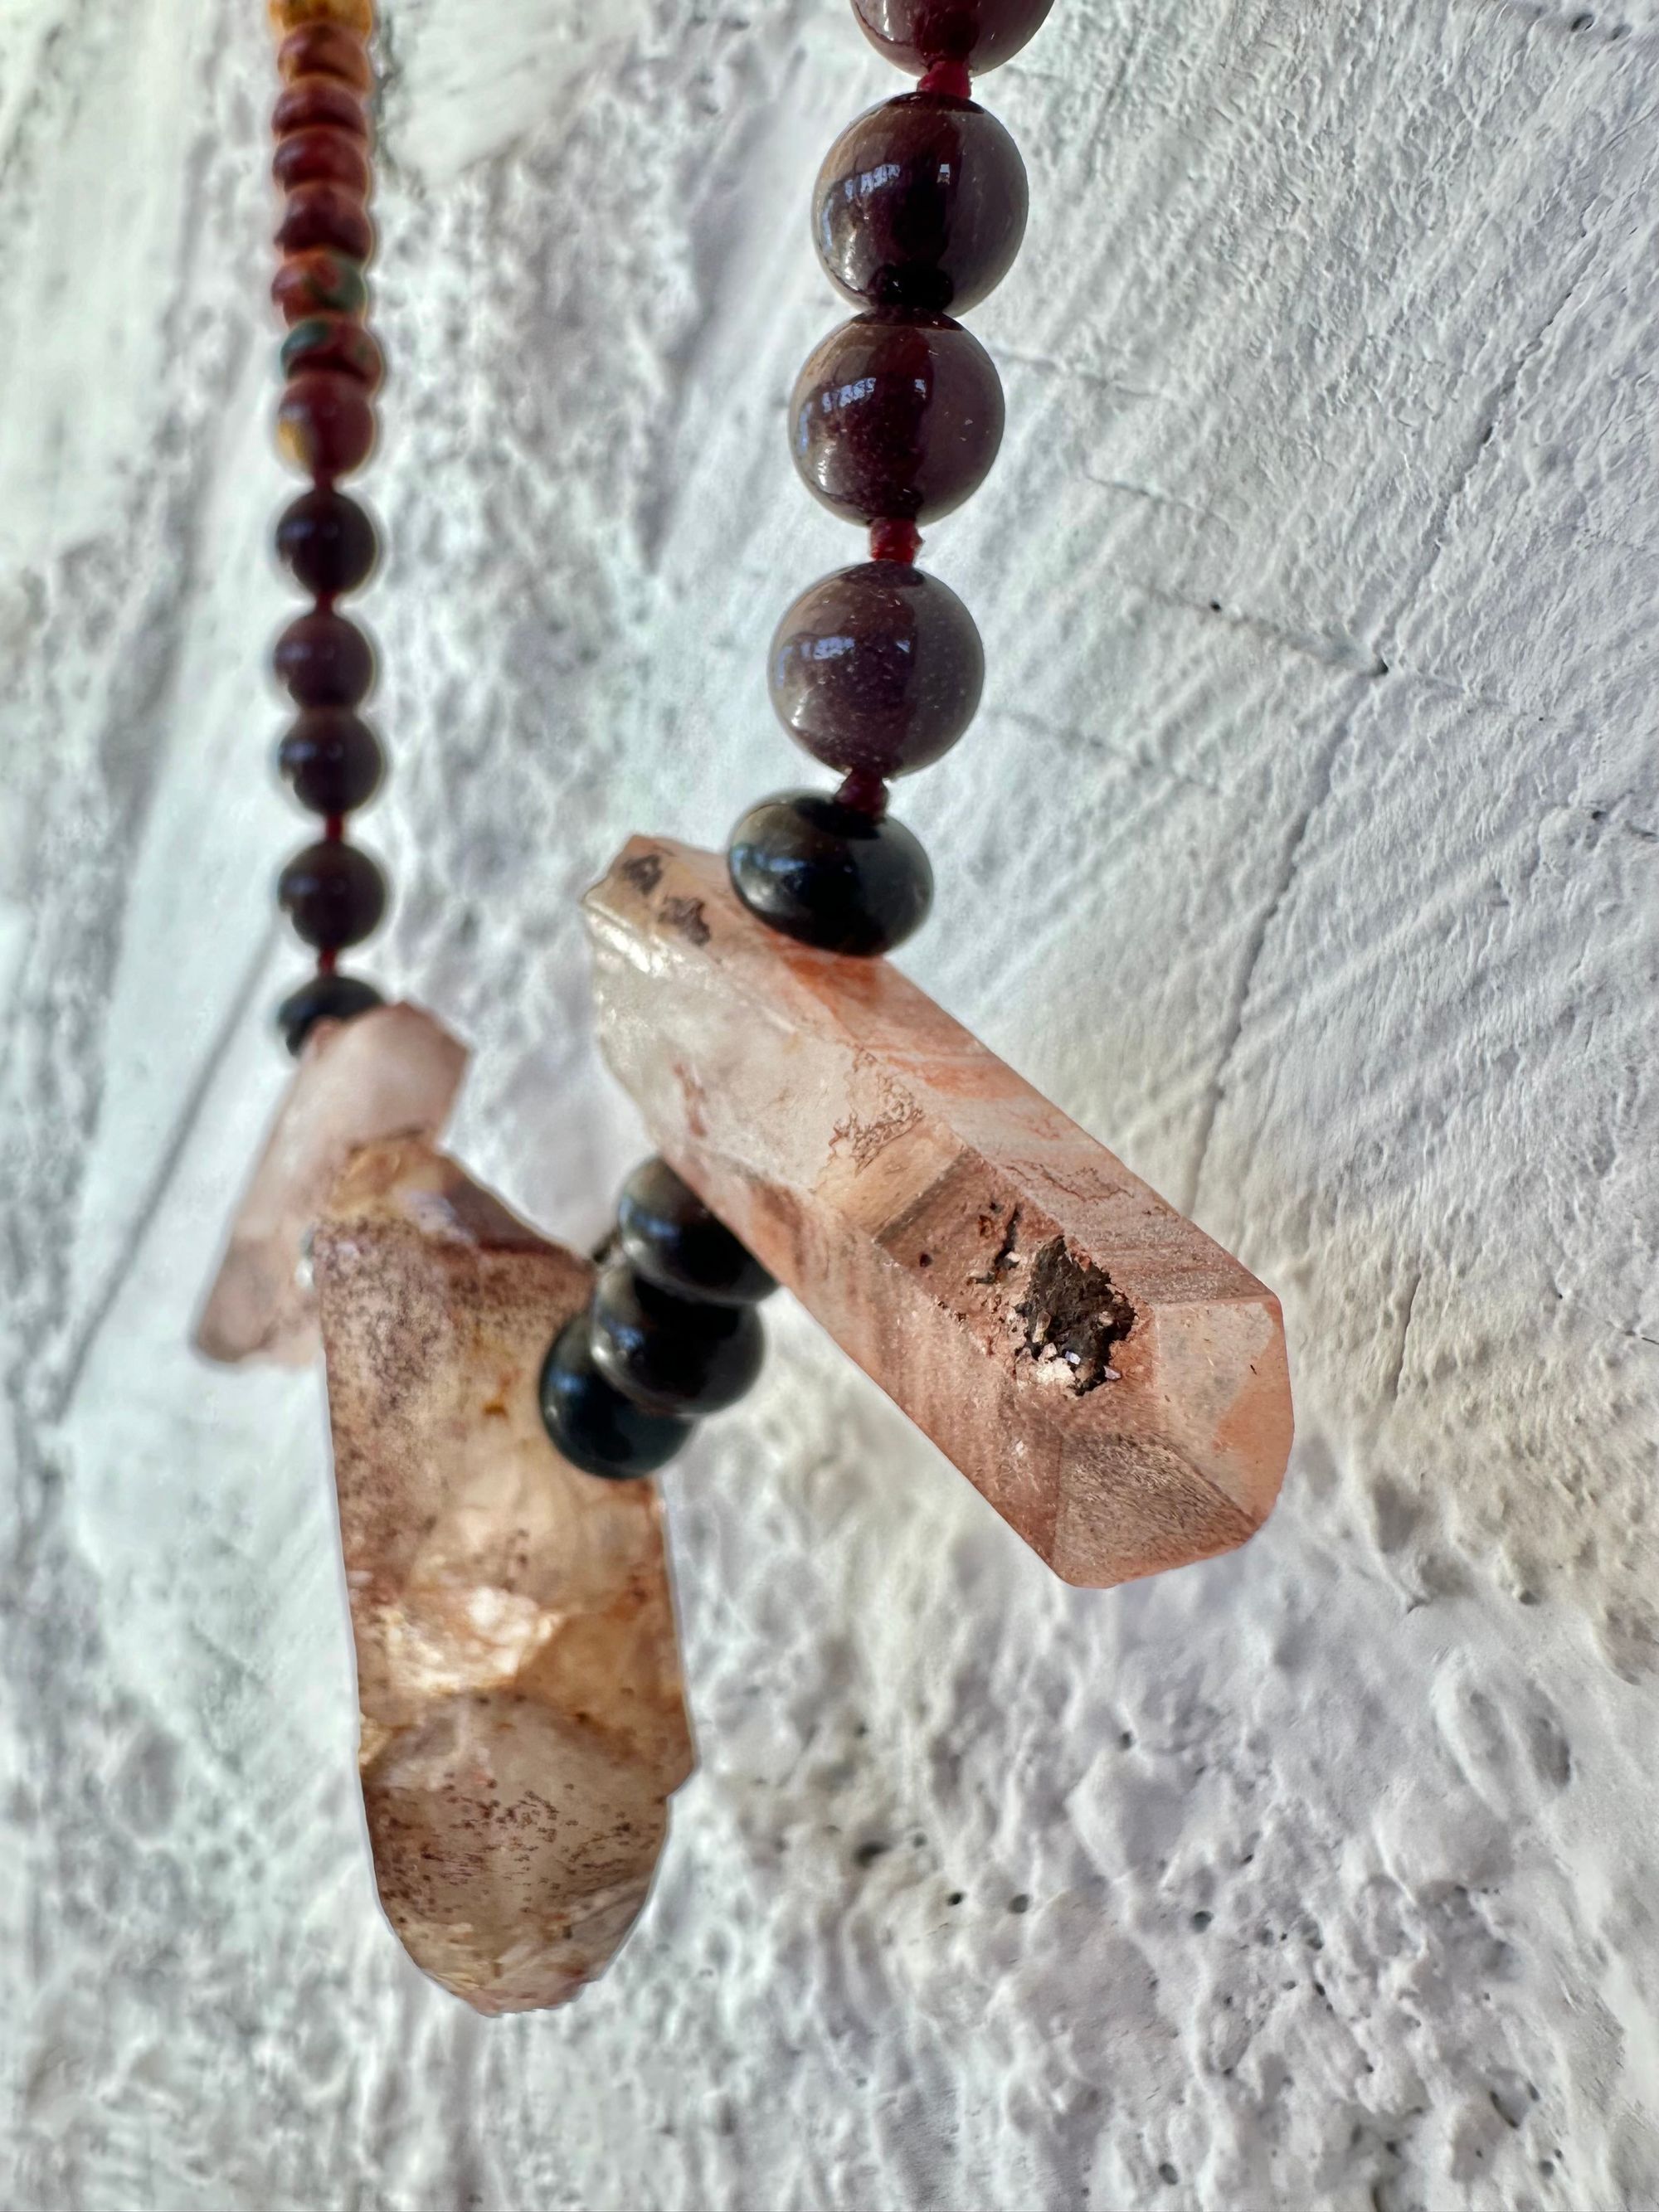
334 829
949 77
865 794
327 962
895 540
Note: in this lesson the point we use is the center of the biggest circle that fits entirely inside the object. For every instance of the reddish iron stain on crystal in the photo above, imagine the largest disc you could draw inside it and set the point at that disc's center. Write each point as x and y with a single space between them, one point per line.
1110 1379
523 1719
391 1073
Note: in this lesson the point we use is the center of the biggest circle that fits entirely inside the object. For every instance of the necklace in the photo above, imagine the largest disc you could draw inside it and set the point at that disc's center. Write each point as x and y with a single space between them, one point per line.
1113 1382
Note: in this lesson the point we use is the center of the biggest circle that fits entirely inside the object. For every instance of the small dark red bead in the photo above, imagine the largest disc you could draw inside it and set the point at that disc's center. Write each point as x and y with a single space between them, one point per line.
897 416
328 542
333 894
922 203
314 103
334 341
332 760
325 49
322 156
325 423
320 282
323 660
913 34
325 216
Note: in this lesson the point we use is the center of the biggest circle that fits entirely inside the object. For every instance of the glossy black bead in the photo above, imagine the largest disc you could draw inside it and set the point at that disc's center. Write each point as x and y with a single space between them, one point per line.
328 542
333 894
323 999
671 1354
332 759
323 660
830 875
593 1425
671 1237
921 203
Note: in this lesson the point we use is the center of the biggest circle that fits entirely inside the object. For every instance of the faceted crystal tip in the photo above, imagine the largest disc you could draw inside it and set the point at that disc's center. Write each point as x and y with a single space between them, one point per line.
1112 1382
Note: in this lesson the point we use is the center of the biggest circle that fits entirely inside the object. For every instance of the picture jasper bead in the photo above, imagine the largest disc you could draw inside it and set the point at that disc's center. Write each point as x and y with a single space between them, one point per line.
323 660
672 1354
896 417
332 760
325 423
323 999
325 216
830 876
922 203
320 282
877 670
669 1235
328 542
913 34
334 341
319 103
592 1424
333 894
322 154
325 49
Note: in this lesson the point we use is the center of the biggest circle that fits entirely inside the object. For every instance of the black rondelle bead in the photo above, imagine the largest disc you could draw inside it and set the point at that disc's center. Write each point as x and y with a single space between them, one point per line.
671 1354
332 760
671 1237
333 894
323 999
595 1427
328 542
830 875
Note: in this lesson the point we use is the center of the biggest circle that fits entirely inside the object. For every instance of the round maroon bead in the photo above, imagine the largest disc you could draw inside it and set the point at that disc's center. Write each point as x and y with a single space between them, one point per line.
313 103
921 203
878 670
332 760
333 894
325 49
334 341
322 156
320 282
323 660
328 542
325 423
896 416
327 216
913 34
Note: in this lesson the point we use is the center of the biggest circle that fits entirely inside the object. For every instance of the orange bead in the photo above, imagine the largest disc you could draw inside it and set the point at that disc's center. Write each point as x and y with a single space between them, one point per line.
356 16
324 50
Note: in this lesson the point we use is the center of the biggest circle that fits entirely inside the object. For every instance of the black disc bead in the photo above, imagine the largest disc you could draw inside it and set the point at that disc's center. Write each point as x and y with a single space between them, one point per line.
333 894
671 1354
672 1238
323 999
332 760
830 875
328 542
592 1424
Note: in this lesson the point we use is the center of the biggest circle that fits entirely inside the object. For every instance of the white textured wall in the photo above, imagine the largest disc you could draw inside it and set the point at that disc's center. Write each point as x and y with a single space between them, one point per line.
1306 850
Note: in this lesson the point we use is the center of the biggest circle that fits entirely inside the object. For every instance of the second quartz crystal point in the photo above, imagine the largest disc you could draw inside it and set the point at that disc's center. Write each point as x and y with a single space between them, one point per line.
523 1719
1108 1376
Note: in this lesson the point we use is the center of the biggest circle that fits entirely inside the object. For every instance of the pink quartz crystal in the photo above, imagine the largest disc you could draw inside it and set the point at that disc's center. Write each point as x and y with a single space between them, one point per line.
523 1719
392 1071
1113 1382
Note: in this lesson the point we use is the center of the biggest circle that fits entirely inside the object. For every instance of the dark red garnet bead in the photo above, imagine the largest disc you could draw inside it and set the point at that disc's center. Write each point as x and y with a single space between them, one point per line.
897 416
921 203
323 660
913 34
326 422
329 543
333 894
332 760
322 156
878 670
325 216
325 49
334 341
314 103
320 282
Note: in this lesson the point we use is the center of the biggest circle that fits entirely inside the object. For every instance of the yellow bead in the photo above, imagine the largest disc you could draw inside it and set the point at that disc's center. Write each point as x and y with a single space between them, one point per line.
356 16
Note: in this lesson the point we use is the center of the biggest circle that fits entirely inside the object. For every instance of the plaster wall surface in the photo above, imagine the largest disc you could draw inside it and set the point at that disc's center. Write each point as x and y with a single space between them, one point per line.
1307 851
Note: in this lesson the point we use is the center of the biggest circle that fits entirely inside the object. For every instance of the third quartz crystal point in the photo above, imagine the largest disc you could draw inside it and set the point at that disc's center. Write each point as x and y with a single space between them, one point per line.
523 1719
1113 1381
